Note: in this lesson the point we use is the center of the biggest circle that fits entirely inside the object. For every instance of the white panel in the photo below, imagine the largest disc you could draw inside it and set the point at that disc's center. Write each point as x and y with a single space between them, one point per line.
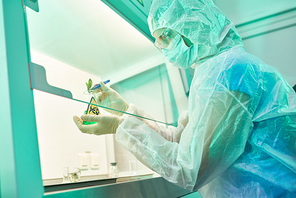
274 23
277 49
244 11
83 161
94 161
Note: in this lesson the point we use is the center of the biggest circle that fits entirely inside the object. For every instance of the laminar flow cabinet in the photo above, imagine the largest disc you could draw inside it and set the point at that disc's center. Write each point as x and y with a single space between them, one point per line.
79 46
21 169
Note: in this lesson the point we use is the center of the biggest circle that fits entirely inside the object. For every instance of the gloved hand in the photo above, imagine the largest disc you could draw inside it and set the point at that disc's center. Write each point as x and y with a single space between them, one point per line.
106 124
107 97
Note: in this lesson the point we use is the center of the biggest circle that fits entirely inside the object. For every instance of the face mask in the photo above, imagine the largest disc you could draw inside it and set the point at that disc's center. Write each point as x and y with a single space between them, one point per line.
179 54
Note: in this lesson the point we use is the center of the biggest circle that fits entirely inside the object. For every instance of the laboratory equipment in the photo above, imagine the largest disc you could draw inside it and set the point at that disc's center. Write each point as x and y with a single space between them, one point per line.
133 167
14 144
91 110
74 174
65 174
71 174
113 170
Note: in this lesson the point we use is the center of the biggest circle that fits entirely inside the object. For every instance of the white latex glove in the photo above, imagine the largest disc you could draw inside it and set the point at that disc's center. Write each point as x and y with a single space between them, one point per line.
107 97
106 124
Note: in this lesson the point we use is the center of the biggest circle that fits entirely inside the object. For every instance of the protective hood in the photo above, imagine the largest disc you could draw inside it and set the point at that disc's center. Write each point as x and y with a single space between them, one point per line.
200 21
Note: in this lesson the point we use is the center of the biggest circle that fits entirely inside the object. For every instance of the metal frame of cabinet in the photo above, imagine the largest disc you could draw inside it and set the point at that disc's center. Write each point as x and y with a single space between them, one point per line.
20 163
133 12
20 171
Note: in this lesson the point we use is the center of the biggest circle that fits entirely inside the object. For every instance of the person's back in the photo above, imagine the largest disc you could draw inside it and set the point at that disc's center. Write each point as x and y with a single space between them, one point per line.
267 167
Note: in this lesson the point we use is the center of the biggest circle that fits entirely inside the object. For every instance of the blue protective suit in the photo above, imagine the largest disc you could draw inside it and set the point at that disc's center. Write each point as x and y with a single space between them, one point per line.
238 137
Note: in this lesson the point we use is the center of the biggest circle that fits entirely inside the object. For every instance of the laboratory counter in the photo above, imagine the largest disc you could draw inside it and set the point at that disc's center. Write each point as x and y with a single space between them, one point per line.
143 184
52 185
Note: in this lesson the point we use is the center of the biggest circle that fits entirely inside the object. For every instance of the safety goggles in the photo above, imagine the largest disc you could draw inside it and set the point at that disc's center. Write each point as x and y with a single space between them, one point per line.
164 39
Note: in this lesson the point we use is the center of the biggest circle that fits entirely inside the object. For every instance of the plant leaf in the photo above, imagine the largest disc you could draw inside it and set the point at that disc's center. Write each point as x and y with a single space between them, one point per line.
89 84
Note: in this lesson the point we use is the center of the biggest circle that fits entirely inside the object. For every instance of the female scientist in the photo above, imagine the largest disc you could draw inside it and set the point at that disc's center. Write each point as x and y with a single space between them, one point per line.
237 138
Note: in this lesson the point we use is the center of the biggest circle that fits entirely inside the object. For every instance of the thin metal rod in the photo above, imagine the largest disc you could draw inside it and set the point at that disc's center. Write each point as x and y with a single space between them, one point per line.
122 112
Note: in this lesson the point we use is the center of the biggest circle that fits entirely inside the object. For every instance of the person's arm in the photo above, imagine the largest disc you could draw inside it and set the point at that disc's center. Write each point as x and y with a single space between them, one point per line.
170 133
215 136
108 97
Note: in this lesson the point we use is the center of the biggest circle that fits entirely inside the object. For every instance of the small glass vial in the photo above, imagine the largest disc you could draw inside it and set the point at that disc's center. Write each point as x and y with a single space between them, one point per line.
113 170
65 174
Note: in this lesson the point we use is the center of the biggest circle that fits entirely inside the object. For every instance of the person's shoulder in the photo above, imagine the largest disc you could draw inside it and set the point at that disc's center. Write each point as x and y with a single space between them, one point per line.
241 61
238 63
240 72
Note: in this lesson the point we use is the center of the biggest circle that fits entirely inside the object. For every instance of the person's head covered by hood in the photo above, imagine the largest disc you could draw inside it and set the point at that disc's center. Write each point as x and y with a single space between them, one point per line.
191 31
